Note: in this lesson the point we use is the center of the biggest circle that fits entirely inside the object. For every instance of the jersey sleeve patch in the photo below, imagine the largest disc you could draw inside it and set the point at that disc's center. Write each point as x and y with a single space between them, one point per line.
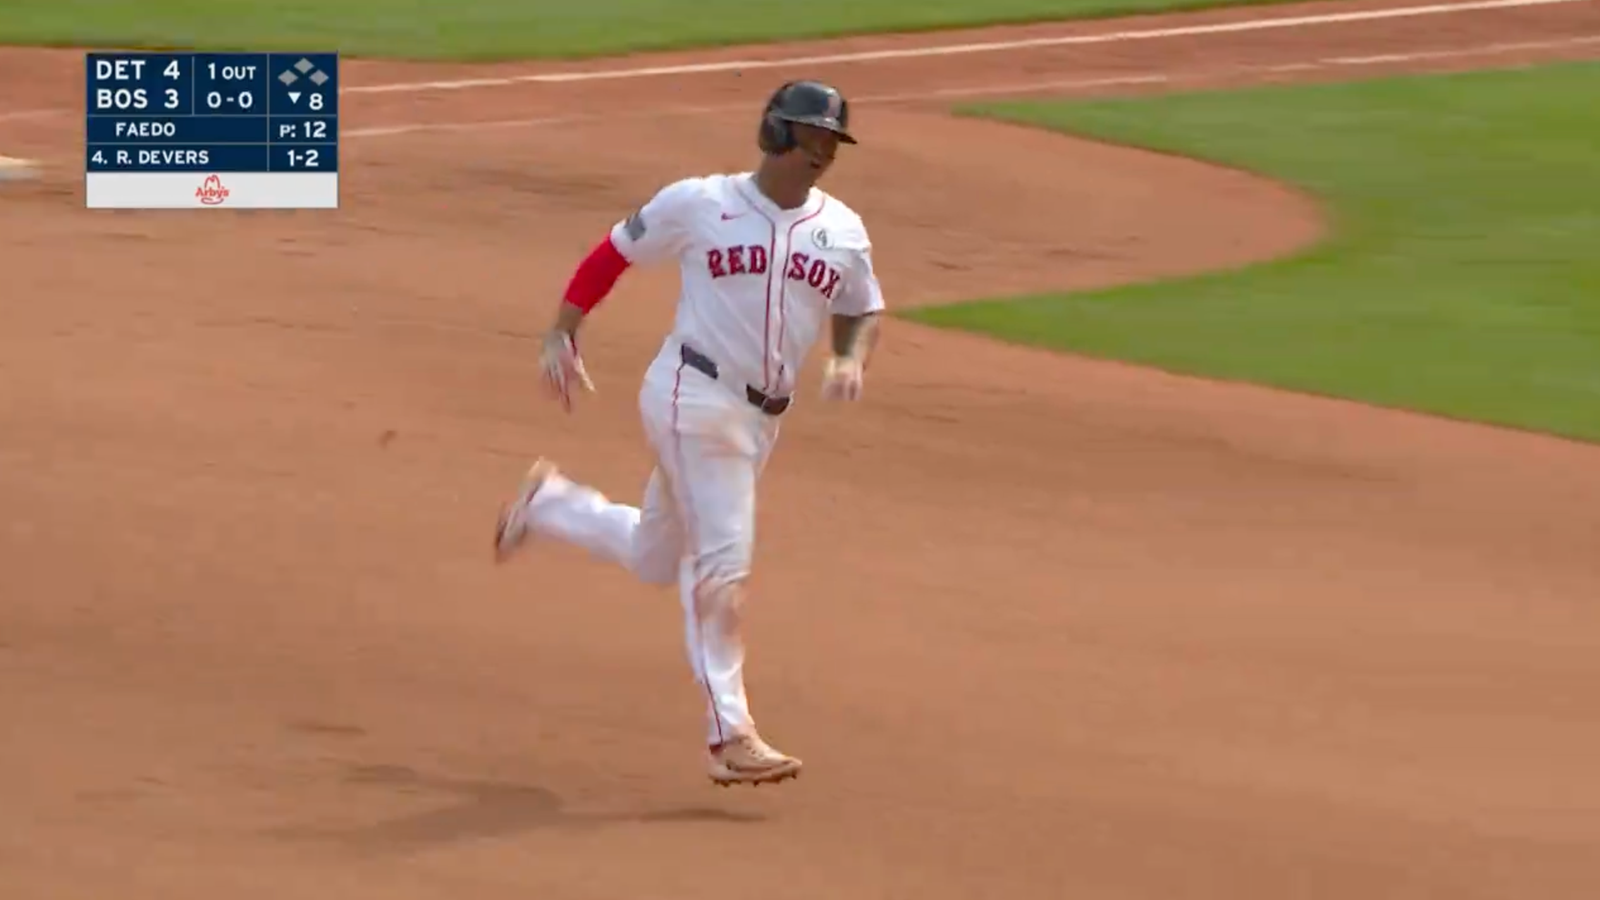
634 227
659 230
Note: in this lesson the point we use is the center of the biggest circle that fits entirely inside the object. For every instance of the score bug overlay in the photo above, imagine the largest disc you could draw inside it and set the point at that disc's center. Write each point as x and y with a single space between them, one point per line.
212 130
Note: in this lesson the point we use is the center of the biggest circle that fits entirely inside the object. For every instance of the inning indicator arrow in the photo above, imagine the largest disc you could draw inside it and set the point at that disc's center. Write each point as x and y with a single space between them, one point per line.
294 96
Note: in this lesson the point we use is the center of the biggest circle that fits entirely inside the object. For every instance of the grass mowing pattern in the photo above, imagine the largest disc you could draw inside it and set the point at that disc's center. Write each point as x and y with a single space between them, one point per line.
511 29
1463 278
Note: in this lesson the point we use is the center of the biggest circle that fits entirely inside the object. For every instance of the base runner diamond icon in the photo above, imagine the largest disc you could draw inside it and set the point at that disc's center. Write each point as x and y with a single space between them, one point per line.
211 192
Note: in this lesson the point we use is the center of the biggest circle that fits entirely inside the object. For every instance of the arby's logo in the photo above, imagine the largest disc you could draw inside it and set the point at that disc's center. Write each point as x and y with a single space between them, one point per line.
211 192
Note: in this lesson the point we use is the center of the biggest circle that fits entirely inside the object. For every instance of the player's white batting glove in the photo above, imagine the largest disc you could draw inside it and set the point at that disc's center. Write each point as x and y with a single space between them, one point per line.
841 379
563 367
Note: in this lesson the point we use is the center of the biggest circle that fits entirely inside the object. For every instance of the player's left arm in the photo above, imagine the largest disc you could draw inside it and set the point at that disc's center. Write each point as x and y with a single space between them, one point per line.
855 336
856 321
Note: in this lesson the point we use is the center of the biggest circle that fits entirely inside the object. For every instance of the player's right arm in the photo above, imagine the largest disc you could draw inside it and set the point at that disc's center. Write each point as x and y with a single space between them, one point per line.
655 232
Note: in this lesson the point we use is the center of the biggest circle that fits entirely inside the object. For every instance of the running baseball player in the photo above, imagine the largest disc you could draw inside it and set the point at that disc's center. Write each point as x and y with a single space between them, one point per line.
766 258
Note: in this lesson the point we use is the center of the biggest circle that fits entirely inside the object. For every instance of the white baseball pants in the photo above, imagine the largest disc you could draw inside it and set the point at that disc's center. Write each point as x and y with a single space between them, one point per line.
696 525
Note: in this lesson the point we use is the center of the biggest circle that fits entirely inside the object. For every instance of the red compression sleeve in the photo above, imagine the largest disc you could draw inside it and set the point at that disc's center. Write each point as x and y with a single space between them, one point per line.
596 275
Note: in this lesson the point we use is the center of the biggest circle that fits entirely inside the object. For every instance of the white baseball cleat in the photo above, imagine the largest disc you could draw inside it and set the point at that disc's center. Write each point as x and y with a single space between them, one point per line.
748 759
512 530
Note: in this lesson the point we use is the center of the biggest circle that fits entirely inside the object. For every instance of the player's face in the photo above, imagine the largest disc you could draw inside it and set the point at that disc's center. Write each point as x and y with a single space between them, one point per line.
818 146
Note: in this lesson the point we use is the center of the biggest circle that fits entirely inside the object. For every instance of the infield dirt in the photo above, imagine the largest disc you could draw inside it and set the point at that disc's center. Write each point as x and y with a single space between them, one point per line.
1072 629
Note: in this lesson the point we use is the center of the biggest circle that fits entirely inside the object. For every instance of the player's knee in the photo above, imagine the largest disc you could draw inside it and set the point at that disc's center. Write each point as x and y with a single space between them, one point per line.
719 584
719 597
724 565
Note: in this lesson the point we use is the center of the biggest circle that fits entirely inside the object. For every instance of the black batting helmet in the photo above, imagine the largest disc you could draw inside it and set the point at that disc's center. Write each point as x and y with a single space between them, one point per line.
806 102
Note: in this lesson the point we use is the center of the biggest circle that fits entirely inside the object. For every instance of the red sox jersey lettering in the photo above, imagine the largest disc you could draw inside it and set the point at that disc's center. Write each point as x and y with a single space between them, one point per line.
759 282
737 260
752 260
813 272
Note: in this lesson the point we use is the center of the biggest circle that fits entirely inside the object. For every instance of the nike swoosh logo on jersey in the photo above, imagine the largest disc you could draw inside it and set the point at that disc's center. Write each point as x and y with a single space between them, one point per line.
727 216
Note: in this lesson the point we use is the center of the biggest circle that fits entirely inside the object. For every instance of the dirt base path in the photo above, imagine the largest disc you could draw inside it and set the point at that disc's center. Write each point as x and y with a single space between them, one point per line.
1072 629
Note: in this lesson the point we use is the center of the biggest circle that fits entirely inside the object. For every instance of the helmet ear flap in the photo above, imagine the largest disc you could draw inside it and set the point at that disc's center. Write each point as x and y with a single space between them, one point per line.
775 136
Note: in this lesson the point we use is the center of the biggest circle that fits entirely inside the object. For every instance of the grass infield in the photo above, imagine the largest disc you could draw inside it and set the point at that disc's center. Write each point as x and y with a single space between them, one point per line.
511 29
1463 277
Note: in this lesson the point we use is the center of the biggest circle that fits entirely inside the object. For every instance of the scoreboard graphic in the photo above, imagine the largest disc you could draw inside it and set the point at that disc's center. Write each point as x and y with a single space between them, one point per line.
212 131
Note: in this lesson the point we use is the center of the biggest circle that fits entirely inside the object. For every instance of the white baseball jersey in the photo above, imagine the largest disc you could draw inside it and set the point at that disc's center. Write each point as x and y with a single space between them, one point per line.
759 281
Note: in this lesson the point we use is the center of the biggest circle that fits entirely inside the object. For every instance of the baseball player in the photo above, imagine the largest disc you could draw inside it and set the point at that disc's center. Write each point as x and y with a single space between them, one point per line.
766 259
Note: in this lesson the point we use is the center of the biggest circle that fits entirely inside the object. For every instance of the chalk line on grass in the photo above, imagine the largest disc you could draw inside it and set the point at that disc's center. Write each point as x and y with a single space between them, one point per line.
935 50
1243 25
1031 87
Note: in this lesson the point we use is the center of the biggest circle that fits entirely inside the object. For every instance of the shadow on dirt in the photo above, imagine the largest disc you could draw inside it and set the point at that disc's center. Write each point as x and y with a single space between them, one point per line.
482 810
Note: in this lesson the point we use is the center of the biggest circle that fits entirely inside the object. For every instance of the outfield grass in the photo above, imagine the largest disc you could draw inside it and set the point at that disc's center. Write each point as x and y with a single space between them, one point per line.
1463 278
501 29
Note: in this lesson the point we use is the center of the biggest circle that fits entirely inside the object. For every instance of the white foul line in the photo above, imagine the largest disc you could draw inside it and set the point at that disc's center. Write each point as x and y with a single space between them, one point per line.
29 114
993 90
903 53
683 110
1438 9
